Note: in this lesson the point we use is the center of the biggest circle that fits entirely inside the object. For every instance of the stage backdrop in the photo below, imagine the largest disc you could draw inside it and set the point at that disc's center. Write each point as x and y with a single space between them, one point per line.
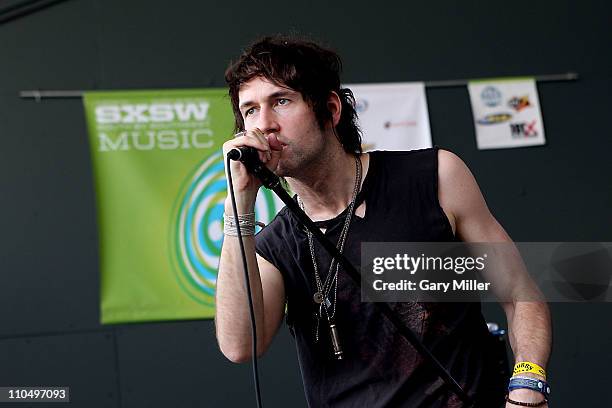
160 189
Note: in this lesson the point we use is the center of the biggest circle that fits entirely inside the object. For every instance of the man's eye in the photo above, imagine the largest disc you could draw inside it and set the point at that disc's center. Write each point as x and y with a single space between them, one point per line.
249 112
283 101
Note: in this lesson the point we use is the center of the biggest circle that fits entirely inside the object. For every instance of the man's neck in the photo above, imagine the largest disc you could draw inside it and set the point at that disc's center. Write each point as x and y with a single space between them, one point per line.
326 188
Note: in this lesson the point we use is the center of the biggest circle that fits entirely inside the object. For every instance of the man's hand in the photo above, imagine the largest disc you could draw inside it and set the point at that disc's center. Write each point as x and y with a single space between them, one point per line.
245 184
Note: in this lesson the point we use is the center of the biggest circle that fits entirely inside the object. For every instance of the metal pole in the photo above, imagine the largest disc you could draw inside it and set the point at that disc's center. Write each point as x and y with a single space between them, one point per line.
68 94
38 95
23 8
569 76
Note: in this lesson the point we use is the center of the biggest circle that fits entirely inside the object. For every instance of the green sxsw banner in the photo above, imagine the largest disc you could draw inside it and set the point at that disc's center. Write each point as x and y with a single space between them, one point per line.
160 187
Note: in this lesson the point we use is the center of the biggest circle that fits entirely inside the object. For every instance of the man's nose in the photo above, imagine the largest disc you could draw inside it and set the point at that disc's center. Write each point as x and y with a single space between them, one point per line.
267 122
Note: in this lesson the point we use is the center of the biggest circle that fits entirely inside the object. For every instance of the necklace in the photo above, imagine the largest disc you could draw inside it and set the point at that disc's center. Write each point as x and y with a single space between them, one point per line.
321 297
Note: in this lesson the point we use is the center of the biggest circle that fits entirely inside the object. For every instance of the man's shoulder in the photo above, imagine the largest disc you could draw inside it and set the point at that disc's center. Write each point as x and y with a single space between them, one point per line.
451 167
404 153
407 160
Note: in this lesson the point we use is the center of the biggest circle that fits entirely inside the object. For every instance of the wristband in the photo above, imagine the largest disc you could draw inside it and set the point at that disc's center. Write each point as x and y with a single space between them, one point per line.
529 383
528 367
245 221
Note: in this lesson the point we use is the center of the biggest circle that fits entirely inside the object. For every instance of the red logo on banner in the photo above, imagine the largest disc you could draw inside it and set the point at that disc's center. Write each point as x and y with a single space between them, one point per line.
519 103
523 129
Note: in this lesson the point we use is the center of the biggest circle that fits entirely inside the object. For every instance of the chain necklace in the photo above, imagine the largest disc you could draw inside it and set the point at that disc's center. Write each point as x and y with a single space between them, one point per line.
321 296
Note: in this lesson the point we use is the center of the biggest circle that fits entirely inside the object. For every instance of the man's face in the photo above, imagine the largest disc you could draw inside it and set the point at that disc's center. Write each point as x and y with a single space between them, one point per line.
282 113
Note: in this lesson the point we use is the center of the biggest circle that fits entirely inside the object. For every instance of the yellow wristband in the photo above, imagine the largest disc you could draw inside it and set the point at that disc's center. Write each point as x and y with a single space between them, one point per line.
528 367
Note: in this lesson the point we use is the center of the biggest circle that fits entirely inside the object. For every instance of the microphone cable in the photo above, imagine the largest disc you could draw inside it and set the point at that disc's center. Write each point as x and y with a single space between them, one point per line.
248 284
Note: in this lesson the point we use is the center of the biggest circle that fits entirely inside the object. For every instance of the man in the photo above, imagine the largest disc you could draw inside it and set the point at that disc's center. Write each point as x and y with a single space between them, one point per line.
287 99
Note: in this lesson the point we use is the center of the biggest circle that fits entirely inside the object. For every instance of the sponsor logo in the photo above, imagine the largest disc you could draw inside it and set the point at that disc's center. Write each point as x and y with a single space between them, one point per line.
491 96
519 103
361 105
170 139
152 113
405 123
523 129
153 126
495 118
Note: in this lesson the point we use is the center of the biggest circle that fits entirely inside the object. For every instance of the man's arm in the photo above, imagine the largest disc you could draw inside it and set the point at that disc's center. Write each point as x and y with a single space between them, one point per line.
529 322
232 316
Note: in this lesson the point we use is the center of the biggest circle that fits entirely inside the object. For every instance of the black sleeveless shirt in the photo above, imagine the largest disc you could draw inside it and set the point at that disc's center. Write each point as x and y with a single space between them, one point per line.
380 368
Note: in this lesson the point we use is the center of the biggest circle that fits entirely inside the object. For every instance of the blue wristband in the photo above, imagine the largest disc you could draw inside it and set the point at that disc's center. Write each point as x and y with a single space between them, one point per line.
530 383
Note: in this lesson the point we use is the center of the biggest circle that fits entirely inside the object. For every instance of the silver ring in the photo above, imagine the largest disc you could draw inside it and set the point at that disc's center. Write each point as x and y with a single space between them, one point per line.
239 134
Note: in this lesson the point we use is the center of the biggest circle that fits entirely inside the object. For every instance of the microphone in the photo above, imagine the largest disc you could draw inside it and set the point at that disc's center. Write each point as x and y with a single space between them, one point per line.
249 157
243 153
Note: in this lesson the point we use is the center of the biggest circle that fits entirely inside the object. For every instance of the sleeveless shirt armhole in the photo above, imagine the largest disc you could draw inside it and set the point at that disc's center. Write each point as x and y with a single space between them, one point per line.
263 254
265 250
436 149
265 241
288 315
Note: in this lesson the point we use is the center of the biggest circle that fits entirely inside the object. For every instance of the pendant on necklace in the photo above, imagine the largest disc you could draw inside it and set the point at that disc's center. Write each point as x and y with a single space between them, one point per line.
335 339
318 298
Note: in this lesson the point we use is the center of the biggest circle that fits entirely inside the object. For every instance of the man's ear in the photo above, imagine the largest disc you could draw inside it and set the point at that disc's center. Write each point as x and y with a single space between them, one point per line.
334 106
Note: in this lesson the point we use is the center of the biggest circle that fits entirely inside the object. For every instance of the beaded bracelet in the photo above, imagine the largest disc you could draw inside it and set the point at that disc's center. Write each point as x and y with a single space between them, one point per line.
526 404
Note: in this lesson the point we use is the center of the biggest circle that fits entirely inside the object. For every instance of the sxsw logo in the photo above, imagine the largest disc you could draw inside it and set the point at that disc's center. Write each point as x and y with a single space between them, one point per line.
151 113
153 126
523 129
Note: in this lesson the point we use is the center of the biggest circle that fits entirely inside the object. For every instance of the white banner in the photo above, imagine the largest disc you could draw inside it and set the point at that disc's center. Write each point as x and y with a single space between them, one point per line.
392 116
506 113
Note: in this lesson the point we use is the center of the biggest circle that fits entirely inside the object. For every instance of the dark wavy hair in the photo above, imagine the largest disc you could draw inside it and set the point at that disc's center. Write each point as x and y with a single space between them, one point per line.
305 67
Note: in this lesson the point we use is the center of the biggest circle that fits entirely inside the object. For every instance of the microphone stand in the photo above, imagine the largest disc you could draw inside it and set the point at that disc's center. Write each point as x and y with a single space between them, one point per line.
272 182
